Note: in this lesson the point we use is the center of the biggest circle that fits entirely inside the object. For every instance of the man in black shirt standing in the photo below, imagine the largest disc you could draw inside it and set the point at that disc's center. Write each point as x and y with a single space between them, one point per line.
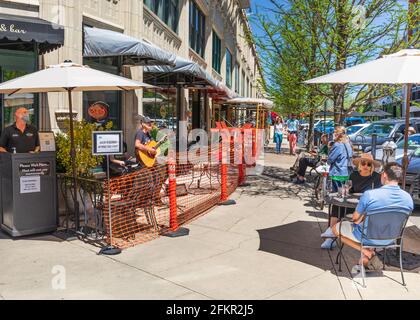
20 137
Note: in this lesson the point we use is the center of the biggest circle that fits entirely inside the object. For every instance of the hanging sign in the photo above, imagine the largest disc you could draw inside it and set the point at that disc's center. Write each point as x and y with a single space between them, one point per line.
107 142
98 111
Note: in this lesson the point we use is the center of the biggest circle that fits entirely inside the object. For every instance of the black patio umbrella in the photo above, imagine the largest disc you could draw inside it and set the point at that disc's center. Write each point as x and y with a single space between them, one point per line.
324 114
354 114
375 113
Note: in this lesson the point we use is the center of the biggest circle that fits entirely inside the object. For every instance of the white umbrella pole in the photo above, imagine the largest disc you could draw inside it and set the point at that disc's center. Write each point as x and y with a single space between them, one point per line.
407 125
73 162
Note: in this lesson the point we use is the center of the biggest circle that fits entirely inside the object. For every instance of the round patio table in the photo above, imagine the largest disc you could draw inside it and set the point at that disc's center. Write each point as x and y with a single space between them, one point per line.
351 201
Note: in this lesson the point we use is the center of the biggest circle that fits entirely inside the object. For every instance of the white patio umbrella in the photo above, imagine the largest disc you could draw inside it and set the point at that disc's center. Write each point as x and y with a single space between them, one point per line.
69 77
398 68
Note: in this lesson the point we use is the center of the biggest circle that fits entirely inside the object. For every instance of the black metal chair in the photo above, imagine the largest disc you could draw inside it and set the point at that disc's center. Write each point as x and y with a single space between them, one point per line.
386 224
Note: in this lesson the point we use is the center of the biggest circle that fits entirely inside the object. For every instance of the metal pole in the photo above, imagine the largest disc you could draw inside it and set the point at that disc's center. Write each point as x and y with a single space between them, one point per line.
325 113
178 114
109 199
374 142
109 250
407 125
73 161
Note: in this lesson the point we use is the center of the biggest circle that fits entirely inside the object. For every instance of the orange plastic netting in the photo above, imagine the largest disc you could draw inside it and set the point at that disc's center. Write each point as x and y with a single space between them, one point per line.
150 201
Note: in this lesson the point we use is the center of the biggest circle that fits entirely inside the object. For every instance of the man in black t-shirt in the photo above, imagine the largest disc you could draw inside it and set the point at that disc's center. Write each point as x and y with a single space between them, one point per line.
20 137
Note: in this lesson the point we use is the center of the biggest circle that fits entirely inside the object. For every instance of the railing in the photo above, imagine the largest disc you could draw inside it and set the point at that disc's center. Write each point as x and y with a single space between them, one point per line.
90 199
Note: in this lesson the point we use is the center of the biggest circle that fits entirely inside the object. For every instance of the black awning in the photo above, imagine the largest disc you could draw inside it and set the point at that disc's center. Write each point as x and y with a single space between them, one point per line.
106 43
185 72
48 35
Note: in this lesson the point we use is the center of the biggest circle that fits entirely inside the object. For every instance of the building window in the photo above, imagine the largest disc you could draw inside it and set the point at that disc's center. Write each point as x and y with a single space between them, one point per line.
243 84
14 62
237 84
197 29
112 98
217 52
166 10
228 68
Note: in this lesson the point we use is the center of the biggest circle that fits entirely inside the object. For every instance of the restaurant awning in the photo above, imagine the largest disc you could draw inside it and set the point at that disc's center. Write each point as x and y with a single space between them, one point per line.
185 72
48 35
268 104
106 43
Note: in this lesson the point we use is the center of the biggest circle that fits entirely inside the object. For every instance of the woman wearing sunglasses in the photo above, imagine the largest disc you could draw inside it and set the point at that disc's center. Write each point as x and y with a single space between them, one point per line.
365 178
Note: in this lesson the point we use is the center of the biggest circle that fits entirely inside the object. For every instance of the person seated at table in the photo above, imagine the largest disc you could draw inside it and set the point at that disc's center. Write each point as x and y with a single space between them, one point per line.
389 195
310 160
118 163
365 178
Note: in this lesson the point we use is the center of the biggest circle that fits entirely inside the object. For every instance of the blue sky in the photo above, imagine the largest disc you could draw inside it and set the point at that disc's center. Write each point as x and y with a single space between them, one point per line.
261 6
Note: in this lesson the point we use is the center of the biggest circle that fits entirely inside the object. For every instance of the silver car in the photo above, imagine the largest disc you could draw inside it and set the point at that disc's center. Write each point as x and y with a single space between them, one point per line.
413 144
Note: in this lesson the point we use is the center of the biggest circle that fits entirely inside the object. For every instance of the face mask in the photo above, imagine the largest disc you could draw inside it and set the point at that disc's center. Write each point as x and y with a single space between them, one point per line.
25 117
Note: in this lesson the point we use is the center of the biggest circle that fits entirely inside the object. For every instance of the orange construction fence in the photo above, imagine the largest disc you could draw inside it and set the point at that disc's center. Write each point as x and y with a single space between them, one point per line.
151 201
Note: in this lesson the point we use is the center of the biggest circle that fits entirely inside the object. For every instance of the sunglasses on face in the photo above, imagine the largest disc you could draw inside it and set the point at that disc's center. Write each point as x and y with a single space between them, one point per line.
365 163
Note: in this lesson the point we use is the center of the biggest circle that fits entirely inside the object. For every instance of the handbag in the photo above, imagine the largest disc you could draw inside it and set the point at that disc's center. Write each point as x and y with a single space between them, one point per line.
349 165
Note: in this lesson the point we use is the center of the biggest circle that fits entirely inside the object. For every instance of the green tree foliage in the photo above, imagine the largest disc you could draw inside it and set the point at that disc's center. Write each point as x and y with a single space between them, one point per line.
85 161
302 39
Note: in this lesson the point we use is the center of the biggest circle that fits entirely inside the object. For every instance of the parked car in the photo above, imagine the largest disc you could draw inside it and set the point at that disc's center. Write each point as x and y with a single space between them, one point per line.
356 128
414 162
413 144
329 124
351 121
385 130
413 172
160 123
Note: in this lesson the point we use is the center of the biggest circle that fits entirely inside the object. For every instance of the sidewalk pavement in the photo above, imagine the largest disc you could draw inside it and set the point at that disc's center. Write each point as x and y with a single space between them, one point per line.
267 246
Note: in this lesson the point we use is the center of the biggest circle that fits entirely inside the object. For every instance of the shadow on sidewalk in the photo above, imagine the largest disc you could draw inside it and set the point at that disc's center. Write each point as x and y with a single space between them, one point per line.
36 237
301 241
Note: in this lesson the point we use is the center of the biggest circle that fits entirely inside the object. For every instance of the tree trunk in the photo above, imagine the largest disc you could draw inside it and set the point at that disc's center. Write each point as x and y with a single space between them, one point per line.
310 144
342 36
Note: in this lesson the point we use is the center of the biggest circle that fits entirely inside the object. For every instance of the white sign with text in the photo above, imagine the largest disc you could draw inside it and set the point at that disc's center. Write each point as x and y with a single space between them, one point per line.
107 142
30 184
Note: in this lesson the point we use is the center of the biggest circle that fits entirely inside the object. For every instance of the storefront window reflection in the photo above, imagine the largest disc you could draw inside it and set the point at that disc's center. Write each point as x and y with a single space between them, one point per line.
13 64
110 98
160 106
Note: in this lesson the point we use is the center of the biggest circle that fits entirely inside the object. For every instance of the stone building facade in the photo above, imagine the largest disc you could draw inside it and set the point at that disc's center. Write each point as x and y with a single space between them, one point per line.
221 23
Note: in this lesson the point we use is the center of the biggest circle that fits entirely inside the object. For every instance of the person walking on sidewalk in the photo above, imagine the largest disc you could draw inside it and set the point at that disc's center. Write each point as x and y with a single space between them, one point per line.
293 130
278 133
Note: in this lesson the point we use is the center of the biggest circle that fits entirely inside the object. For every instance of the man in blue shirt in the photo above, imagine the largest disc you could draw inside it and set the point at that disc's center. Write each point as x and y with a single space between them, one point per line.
293 129
388 196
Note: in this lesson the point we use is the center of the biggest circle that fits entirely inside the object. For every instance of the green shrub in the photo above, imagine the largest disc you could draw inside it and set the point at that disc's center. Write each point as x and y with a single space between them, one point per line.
85 161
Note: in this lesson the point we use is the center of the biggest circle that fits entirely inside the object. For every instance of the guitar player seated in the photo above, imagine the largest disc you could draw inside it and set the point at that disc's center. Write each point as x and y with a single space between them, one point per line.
143 137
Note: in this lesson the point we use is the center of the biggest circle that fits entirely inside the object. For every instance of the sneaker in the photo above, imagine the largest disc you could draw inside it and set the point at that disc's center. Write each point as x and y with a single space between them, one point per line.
328 233
329 244
298 181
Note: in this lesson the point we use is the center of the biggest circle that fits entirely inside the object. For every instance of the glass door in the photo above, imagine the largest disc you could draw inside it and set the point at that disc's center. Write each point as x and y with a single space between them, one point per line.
14 64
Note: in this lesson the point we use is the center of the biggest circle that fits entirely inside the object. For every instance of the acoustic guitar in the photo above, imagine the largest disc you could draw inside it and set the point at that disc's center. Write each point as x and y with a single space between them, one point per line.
147 159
